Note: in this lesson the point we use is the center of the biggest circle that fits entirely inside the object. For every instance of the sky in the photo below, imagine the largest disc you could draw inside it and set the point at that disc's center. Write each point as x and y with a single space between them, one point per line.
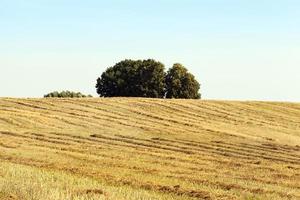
237 49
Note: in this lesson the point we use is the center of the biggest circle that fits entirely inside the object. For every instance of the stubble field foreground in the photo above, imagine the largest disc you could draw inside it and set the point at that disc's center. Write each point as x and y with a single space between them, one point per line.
134 148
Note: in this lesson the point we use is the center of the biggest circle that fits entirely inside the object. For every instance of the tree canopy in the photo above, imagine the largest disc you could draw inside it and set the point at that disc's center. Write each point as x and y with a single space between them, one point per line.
129 78
181 84
147 78
66 94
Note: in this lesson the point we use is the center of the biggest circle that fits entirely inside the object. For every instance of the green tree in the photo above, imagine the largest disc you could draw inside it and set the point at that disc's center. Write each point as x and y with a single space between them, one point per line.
151 79
181 84
54 94
66 94
63 94
130 78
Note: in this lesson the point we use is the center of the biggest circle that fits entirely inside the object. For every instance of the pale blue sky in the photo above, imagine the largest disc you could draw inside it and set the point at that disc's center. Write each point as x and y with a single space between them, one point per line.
238 49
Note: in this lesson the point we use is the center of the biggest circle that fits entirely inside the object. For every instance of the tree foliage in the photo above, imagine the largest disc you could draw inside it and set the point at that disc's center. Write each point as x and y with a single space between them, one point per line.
147 78
129 78
66 94
181 84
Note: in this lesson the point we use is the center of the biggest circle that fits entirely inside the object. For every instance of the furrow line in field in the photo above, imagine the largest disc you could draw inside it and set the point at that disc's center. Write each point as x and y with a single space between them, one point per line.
259 149
180 114
227 187
184 126
203 150
137 146
240 110
136 121
110 143
103 116
165 163
119 166
108 178
267 114
211 148
34 138
263 146
278 110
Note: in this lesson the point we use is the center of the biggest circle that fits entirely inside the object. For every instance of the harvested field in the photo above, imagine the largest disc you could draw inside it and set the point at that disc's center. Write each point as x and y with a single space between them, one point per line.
134 148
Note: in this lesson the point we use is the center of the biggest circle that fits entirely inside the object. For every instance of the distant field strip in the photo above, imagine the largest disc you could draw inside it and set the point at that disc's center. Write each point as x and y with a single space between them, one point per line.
137 148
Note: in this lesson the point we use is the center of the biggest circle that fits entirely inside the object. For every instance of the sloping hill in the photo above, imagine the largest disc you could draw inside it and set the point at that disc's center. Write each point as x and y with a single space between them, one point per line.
132 148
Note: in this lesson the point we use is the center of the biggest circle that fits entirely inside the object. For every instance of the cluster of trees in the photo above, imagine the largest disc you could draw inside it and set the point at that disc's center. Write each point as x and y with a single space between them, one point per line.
66 94
147 78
